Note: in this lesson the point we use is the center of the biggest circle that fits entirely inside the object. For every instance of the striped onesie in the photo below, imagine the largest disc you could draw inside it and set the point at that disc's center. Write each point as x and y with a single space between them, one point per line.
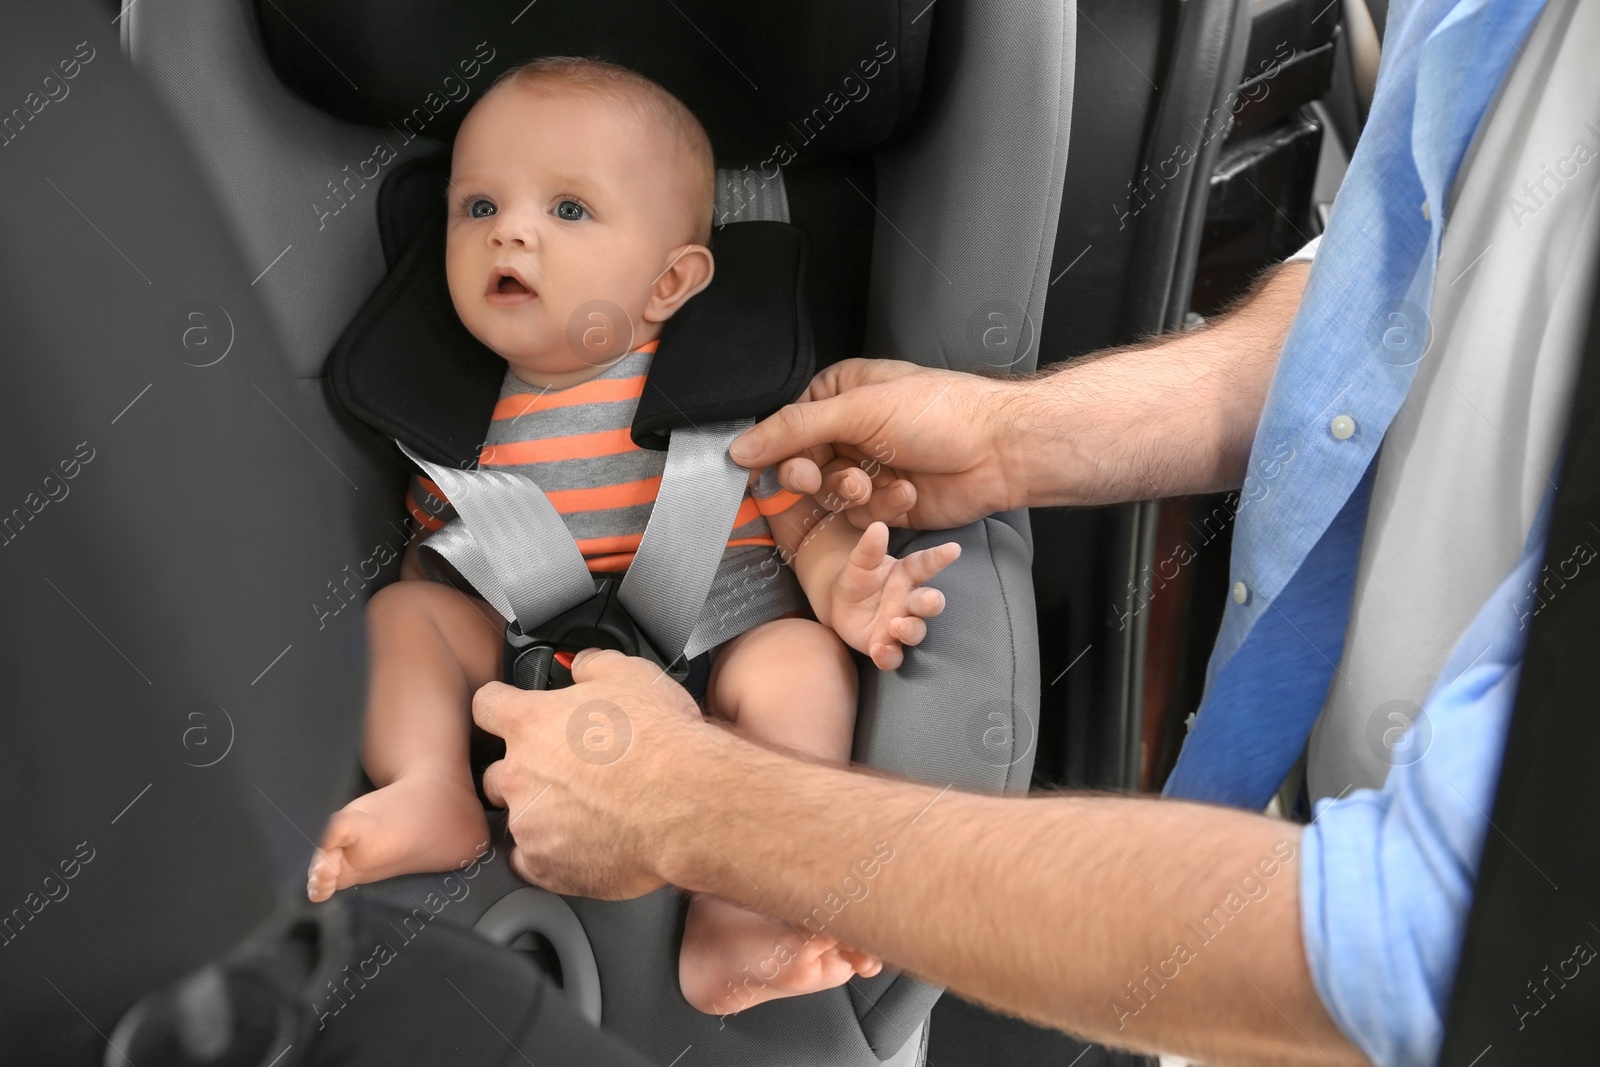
574 443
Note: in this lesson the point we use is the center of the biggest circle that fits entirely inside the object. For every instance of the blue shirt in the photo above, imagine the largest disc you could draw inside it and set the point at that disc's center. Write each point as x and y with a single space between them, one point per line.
1386 875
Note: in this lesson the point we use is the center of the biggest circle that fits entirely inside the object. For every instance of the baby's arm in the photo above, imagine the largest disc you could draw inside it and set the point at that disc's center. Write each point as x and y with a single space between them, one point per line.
872 600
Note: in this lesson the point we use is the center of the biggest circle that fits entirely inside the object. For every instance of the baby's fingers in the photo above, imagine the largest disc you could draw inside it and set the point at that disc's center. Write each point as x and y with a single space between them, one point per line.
925 603
872 547
844 485
923 565
887 656
892 499
908 630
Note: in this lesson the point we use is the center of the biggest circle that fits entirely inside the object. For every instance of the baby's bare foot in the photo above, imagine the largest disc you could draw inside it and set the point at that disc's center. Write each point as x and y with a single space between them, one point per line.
734 958
420 822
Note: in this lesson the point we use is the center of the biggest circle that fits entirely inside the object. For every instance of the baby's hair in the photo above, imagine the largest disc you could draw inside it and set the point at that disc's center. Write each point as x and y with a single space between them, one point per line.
653 105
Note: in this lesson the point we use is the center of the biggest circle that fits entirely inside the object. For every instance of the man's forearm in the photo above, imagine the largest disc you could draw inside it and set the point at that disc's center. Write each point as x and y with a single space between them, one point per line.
1137 922
1169 417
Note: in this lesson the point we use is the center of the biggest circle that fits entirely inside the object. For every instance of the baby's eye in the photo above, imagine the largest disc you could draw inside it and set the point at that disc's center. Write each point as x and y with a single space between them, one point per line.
570 210
479 208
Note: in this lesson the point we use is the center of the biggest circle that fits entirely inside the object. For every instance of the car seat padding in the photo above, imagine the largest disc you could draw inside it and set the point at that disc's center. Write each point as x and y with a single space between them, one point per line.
742 347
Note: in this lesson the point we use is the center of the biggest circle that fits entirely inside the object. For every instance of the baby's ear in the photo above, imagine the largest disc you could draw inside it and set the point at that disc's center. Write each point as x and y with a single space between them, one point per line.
689 270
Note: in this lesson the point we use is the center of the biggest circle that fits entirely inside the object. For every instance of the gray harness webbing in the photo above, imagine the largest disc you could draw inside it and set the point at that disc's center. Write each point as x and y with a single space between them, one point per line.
513 546
510 543
666 586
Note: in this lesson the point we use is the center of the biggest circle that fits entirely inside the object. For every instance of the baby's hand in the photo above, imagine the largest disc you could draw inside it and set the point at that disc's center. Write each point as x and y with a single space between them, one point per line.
878 601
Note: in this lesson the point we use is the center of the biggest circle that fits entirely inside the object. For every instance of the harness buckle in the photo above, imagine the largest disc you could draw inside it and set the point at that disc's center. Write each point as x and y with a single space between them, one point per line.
543 659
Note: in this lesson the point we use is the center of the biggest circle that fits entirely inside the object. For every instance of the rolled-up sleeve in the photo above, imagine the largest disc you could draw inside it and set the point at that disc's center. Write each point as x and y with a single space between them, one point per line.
1387 875
1308 252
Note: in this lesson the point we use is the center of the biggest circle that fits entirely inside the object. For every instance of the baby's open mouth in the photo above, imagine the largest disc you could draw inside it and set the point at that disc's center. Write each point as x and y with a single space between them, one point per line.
506 281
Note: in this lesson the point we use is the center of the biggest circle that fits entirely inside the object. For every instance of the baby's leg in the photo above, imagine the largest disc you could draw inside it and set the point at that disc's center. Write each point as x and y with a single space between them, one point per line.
431 647
790 682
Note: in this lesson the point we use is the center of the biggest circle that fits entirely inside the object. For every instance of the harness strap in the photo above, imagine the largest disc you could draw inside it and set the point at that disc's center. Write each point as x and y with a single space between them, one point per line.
510 543
750 196
666 586
455 545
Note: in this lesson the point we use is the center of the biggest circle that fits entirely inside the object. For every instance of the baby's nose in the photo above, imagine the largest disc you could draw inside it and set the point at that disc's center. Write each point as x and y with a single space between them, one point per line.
515 229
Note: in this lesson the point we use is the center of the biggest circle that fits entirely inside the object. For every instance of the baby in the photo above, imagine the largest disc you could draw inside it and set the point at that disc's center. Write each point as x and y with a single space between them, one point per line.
575 181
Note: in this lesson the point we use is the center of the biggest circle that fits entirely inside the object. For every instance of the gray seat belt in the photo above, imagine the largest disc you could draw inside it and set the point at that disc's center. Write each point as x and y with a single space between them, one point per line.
515 549
667 584
510 543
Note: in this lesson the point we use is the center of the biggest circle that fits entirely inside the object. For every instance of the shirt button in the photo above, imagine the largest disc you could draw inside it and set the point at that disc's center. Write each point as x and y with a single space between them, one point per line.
1425 212
1241 592
1342 427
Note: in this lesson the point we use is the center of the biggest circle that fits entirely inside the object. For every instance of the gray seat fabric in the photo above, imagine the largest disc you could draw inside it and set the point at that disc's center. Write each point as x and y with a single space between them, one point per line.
967 206
969 200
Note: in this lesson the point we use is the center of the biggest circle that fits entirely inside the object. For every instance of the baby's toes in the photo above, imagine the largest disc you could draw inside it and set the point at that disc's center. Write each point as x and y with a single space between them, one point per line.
323 877
864 964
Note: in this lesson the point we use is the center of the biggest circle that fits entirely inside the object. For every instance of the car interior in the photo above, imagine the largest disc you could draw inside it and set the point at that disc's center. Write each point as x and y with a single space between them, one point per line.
1171 151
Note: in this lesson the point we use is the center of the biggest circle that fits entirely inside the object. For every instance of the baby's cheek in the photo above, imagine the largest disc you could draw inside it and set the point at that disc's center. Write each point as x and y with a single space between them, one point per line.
454 281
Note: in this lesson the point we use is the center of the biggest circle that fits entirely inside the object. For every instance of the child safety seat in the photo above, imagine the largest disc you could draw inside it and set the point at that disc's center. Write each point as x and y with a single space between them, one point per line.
922 151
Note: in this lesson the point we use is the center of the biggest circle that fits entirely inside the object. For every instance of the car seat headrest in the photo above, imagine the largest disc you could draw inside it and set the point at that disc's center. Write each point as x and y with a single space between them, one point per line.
407 367
770 82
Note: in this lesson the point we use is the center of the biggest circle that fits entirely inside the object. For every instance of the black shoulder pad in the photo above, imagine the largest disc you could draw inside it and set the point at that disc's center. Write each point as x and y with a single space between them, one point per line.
407 367
739 349
410 198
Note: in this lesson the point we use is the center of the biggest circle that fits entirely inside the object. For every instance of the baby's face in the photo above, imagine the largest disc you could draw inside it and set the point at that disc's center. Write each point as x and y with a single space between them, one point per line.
560 211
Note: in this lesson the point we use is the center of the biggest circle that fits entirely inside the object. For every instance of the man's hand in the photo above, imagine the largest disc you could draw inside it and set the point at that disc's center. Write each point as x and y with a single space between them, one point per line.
879 603
892 442
935 449
583 771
